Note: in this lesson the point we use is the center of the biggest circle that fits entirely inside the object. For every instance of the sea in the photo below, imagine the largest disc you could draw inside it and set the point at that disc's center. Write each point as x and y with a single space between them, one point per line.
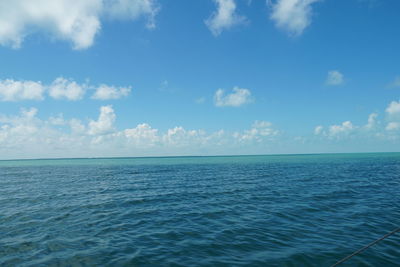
273 210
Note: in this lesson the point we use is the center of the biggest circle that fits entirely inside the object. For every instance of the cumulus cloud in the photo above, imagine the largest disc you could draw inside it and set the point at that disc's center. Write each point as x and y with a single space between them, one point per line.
392 126
259 131
372 131
105 92
344 128
11 90
238 97
224 18
393 111
292 15
105 122
372 121
27 136
393 108
77 21
336 131
180 137
62 88
142 135
334 78
24 133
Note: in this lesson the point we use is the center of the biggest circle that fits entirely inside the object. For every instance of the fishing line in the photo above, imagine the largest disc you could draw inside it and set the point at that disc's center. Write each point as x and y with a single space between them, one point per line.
367 246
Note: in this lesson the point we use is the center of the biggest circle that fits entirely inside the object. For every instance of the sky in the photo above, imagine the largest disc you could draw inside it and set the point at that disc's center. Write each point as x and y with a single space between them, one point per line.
121 78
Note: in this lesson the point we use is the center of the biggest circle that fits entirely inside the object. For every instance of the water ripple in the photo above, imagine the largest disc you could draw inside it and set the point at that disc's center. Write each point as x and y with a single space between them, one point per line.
257 211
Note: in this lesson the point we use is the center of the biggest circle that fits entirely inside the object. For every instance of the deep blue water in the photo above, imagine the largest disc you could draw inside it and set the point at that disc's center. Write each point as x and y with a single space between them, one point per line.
294 210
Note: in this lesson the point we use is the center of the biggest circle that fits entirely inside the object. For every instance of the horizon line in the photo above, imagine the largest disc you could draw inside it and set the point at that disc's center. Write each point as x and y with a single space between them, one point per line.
197 156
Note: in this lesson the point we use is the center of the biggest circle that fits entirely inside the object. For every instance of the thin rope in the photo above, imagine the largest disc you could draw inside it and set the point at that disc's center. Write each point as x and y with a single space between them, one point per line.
367 246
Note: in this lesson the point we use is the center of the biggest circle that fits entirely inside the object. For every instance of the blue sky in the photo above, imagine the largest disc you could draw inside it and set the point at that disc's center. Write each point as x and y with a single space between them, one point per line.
206 77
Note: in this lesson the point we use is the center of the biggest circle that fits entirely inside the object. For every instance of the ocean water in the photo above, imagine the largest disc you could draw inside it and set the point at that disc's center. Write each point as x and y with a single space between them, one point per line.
289 210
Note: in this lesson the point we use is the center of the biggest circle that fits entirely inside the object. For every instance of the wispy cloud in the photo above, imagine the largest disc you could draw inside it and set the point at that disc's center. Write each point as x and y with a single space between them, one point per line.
335 77
238 97
395 82
132 9
224 18
200 100
318 129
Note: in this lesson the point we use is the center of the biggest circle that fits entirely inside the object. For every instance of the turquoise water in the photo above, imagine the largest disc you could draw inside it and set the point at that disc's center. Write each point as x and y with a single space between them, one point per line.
284 210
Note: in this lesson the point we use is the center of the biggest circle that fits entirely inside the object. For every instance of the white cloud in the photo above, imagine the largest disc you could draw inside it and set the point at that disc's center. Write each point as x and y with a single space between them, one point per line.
23 134
77 127
62 88
142 135
372 121
372 131
27 136
318 130
292 15
11 90
132 9
345 128
393 108
237 98
105 92
58 120
224 18
336 131
178 136
392 126
105 122
334 78
77 21
259 131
